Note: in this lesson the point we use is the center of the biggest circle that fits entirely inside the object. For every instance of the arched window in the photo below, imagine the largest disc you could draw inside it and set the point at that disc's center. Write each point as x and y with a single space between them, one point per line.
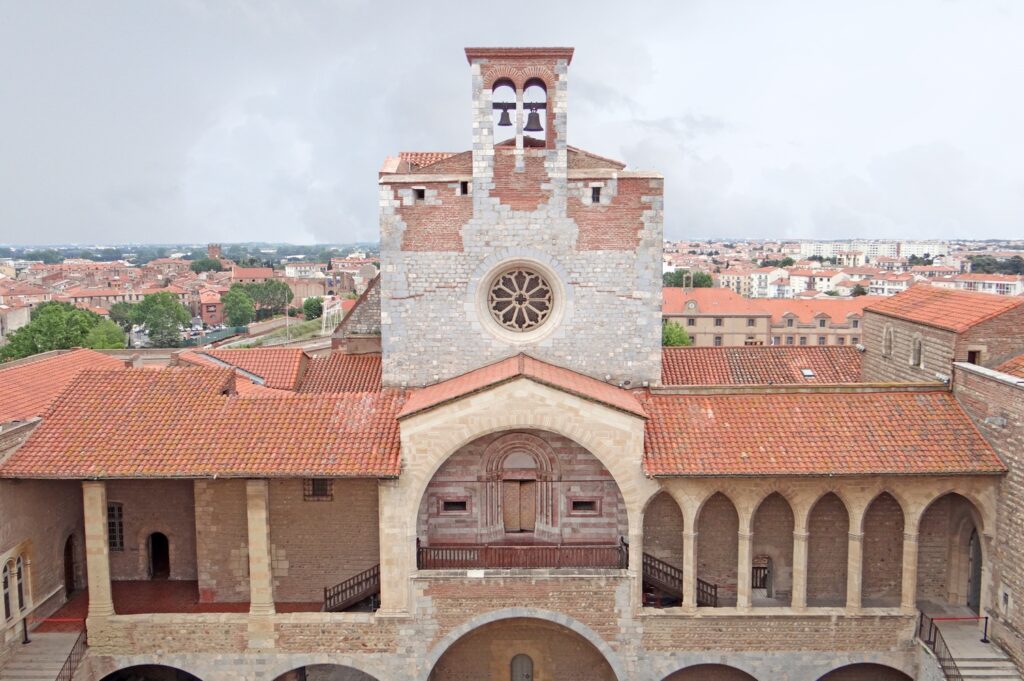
20 575
917 353
7 591
503 104
888 339
535 98
522 668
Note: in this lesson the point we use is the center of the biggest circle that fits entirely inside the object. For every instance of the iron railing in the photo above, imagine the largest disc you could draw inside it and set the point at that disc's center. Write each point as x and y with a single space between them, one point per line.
457 556
707 594
74 658
353 590
930 635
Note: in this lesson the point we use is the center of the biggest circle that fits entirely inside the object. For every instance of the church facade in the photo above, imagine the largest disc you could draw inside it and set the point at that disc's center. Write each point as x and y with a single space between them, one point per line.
509 489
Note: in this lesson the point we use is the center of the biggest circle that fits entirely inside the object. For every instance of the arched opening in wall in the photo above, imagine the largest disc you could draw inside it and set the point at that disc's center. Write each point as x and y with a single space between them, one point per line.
150 672
950 557
827 546
159 556
718 527
772 555
663 552
882 570
69 566
503 112
500 650
710 672
522 499
865 672
535 97
325 672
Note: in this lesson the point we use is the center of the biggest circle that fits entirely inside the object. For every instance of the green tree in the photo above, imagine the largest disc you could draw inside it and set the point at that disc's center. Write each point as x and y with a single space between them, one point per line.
313 308
124 314
49 256
106 334
206 265
162 314
239 309
785 262
673 335
271 297
54 326
859 290
681 278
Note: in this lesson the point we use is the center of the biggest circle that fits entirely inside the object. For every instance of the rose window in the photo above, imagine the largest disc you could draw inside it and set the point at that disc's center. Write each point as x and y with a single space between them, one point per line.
520 299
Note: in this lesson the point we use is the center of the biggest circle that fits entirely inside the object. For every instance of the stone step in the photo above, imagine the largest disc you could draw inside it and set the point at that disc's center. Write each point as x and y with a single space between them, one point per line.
40 660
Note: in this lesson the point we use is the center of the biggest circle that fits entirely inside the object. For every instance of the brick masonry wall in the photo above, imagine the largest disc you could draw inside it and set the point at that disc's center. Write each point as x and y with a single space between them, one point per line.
938 350
315 544
996 405
827 546
555 653
999 339
718 546
222 540
150 506
773 538
663 530
883 552
348 633
463 477
142 634
938 545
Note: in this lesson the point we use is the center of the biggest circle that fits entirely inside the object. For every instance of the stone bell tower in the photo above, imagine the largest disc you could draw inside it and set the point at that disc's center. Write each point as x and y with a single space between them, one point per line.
521 244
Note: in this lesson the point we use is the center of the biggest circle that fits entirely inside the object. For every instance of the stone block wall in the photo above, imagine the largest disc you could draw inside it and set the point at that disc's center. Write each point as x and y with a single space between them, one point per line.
164 506
222 540
316 544
827 547
938 350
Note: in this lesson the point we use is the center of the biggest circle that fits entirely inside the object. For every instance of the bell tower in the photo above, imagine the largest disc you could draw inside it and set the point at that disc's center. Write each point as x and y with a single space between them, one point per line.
520 244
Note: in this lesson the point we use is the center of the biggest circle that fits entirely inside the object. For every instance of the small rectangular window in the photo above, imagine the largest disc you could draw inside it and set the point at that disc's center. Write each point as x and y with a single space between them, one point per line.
718 341
856 323
584 506
751 322
789 340
318 489
776 340
454 506
419 193
464 188
803 340
595 195
789 322
719 321
691 322
115 526
821 323
841 340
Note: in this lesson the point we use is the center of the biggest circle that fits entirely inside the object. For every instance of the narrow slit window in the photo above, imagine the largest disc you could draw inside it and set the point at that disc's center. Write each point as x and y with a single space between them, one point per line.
584 507
454 506
115 526
464 188
595 195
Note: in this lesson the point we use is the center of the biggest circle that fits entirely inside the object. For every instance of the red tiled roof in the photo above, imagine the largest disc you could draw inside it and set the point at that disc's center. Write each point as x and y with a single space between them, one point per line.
807 310
31 384
943 308
252 272
179 422
1015 367
896 433
280 368
521 366
340 373
424 158
722 301
759 365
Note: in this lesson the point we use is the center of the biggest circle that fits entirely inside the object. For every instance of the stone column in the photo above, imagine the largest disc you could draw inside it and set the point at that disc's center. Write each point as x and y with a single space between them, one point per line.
397 548
854 568
97 549
690 569
743 569
261 580
799 599
636 569
908 590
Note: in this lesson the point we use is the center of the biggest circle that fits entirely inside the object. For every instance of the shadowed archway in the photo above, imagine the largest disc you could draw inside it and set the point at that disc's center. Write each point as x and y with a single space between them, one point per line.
710 672
150 672
865 672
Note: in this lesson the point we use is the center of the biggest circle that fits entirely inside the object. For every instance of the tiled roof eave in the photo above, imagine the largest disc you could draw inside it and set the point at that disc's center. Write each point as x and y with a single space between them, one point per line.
831 474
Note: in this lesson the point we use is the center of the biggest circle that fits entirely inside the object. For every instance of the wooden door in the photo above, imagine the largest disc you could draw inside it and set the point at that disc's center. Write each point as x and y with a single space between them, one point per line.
522 668
527 505
510 505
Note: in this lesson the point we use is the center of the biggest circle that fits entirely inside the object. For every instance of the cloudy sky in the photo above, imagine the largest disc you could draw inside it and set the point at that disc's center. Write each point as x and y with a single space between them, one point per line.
229 120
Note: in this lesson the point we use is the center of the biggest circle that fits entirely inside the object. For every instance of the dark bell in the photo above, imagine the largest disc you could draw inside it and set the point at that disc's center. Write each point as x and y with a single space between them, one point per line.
533 122
504 120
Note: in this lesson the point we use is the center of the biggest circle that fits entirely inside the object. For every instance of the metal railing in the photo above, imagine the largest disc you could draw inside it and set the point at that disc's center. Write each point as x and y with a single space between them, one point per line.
353 590
707 594
456 556
74 658
930 635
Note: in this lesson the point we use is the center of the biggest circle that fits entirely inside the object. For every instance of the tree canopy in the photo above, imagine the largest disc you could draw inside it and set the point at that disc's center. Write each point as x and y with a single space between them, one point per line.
785 262
206 265
239 309
682 278
673 335
105 335
313 308
270 297
54 326
161 313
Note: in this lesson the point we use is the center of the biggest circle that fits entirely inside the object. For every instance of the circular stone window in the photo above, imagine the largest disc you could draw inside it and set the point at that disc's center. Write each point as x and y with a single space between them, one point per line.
520 299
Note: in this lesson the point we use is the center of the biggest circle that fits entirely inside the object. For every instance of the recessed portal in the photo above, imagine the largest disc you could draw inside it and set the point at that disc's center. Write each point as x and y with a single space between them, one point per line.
159 556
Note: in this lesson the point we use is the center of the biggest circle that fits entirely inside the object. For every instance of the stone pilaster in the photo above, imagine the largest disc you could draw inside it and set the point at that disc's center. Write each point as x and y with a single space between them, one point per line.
97 548
799 599
743 569
908 600
854 570
261 581
690 569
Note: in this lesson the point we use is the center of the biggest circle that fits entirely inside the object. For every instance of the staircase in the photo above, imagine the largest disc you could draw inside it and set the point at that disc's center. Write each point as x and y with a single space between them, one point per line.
962 653
43 659
355 590
667 580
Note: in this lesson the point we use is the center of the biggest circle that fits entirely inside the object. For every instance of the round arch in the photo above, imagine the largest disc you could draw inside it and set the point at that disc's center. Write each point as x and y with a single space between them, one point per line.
571 624
718 672
865 671
325 671
948 528
150 672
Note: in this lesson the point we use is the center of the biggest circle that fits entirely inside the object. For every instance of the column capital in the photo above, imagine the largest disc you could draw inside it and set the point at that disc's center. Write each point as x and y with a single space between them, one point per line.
746 536
801 536
855 536
910 537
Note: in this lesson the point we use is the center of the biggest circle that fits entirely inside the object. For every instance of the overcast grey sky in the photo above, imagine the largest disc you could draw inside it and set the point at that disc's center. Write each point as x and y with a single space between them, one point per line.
227 120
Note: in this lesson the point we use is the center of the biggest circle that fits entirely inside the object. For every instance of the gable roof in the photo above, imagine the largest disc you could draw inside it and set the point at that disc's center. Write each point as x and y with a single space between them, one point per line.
944 308
341 373
759 365
280 368
896 433
521 366
187 422
31 384
1014 367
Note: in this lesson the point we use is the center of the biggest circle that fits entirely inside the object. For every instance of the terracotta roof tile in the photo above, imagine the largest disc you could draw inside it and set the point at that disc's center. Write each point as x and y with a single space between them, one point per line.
759 365
897 433
525 367
709 301
280 368
943 308
1014 367
424 158
181 422
340 373
31 384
